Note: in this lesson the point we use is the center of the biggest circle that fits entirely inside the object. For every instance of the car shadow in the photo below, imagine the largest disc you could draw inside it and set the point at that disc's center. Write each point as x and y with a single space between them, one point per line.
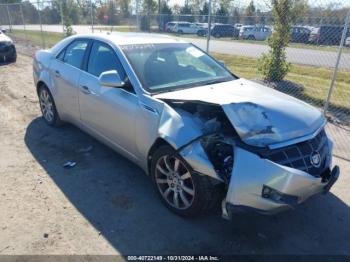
118 199
6 63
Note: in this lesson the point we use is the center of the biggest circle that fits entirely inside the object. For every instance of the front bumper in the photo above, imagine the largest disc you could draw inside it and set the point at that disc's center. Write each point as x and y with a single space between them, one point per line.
7 53
251 174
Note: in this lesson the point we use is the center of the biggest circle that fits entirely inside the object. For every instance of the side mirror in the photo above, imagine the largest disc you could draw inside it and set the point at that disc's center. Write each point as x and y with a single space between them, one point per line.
111 79
222 63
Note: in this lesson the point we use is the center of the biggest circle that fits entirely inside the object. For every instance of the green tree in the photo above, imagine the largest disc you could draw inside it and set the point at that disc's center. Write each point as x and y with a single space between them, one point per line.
113 18
149 7
186 11
222 12
205 9
236 16
125 7
273 65
250 14
165 15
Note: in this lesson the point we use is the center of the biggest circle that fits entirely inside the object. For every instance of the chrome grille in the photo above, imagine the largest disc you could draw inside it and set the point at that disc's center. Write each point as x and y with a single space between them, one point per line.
298 156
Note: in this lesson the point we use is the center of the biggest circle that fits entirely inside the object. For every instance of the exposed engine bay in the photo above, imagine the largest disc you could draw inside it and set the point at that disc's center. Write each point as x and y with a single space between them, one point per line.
218 137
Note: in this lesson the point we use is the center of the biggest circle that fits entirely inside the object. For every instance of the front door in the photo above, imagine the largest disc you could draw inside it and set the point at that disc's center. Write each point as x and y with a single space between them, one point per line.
107 111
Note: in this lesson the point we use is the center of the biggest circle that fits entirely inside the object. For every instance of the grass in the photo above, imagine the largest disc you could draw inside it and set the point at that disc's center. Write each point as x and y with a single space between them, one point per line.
306 82
34 37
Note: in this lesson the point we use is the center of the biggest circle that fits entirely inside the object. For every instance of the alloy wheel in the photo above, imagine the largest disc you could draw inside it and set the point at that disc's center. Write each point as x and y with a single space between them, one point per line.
46 105
174 181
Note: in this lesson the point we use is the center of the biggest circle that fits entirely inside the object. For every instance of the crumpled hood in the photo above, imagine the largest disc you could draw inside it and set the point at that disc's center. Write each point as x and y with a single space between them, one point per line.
4 38
261 115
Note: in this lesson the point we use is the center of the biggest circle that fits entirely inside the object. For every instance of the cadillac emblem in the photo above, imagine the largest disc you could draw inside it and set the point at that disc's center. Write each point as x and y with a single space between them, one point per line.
315 159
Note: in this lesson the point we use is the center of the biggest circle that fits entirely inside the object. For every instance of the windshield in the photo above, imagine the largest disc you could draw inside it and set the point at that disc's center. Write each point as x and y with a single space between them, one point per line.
166 67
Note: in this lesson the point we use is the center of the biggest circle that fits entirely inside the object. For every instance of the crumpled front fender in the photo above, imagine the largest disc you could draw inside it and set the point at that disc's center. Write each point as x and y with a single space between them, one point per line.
196 157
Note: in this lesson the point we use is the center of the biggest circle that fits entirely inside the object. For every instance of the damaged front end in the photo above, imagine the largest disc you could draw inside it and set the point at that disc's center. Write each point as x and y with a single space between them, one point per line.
258 173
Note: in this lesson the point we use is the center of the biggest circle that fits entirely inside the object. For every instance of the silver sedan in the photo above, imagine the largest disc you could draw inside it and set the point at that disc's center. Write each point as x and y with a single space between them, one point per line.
203 134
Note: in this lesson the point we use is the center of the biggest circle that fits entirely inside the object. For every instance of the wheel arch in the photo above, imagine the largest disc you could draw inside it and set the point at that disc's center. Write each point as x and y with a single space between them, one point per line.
40 84
157 143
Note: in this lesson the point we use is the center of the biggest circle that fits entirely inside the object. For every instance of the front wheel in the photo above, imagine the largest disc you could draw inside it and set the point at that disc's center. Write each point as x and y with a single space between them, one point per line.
180 189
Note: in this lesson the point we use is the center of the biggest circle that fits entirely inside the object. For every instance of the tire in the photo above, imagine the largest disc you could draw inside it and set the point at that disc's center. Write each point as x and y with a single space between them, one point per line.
48 107
251 37
14 57
180 32
217 35
196 190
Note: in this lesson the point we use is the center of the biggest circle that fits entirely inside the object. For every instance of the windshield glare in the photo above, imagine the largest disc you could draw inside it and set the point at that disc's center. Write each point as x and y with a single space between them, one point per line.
164 67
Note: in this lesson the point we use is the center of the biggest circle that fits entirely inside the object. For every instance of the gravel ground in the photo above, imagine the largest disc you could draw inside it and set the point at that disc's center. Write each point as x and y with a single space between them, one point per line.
106 205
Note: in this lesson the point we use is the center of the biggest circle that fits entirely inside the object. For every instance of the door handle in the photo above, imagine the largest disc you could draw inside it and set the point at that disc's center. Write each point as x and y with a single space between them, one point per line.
85 90
57 73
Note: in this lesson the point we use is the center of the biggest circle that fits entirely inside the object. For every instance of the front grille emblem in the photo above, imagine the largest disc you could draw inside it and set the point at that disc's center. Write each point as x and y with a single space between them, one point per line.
315 159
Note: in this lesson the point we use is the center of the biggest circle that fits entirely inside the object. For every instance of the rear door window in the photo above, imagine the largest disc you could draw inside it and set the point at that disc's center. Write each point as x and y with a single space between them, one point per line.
74 53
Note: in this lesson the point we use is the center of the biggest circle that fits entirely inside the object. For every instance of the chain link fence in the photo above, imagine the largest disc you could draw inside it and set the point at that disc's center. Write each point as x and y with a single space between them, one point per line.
319 48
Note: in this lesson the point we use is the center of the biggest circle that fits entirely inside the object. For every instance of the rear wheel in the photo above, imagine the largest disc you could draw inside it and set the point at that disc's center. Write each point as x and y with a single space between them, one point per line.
48 107
180 189
180 32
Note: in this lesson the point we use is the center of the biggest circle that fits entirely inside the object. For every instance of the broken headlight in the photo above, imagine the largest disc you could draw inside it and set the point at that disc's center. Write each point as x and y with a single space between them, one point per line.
279 197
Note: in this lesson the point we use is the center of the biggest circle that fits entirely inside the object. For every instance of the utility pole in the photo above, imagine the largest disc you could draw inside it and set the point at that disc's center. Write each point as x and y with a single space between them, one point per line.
24 23
331 86
41 25
62 16
137 15
92 16
9 17
209 26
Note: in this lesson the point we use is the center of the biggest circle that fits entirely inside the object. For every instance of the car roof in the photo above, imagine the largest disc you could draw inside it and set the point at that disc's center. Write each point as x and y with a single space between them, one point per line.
131 38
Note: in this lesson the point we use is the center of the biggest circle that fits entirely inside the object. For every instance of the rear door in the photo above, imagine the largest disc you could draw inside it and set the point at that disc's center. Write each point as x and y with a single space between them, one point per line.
108 112
65 71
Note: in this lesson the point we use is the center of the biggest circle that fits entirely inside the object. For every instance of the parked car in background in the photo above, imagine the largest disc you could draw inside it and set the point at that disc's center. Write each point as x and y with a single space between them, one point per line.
224 30
205 136
220 30
202 25
185 28
327 35
169 26
3 30
347 41
299 34
255 32
7 49
238 26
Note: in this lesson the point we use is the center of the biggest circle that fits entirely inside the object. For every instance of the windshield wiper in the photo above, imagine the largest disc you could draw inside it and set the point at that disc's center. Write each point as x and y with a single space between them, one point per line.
215 81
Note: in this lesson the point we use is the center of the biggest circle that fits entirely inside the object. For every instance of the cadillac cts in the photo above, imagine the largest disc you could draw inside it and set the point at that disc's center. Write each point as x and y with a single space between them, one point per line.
203 134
